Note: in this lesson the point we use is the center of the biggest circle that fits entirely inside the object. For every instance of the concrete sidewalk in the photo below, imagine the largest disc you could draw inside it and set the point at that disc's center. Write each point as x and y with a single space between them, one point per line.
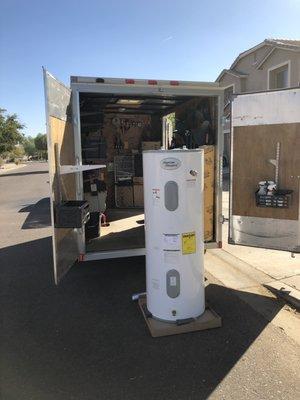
7 167
261 270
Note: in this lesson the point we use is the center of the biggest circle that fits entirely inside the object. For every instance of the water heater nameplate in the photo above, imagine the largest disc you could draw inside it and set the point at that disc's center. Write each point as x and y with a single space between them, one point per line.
171 196
173 283
172 257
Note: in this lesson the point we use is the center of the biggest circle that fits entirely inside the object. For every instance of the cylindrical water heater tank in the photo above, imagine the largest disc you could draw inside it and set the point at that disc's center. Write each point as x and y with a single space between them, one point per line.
173 199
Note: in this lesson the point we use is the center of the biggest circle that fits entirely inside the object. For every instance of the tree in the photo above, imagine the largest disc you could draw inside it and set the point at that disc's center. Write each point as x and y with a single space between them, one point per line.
10 131
29 146
40 142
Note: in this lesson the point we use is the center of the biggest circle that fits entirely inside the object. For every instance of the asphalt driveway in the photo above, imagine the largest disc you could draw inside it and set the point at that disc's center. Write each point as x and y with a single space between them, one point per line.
86 339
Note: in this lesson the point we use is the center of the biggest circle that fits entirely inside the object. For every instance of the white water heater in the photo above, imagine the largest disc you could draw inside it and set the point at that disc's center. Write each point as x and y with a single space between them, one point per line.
173 200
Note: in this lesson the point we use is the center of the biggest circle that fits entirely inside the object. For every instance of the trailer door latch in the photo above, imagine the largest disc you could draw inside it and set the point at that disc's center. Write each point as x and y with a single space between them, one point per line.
222 219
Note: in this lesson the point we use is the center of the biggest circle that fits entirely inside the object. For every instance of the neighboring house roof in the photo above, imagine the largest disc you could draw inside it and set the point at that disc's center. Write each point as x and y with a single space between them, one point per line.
285 42
232 72
288 44
279 43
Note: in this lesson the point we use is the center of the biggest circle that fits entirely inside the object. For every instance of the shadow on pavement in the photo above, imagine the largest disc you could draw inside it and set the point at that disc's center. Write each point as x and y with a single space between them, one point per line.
39 214
86 339
24 173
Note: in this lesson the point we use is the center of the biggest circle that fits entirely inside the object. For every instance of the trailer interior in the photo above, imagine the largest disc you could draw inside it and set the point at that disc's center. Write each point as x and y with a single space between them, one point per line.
115 129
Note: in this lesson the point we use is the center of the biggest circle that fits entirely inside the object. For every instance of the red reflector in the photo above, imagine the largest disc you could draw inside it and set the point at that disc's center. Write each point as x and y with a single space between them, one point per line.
152 82
174 83
129 81
220 245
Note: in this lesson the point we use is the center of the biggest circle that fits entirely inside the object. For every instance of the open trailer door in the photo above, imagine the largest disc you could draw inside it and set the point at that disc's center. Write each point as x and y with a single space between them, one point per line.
61 152
265 151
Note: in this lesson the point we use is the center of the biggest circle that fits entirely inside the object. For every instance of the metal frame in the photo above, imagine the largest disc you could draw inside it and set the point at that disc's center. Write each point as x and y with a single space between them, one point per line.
288 63
78 149
88 85
50 161
105 255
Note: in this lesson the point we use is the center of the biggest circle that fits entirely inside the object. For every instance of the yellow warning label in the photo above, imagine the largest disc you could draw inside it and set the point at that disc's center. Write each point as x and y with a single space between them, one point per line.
188 243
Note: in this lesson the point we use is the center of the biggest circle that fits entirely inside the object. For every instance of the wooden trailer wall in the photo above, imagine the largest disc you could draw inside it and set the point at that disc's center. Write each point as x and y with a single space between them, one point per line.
262 125
61 151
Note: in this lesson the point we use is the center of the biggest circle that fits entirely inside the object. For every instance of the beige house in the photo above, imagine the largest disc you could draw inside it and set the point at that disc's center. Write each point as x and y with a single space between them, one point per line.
272 64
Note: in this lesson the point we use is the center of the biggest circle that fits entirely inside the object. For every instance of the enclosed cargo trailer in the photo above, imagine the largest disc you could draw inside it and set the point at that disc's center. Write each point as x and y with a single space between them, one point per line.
264 172
103 124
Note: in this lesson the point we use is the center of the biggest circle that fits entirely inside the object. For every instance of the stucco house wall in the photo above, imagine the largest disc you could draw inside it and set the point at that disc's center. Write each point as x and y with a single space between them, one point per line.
250 72
228 80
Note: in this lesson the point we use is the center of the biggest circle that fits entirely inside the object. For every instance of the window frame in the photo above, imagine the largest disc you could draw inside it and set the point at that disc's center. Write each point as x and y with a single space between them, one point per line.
233 92
272 69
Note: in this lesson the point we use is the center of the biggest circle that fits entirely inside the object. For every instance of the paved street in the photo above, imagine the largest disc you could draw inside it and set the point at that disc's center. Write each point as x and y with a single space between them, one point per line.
86 339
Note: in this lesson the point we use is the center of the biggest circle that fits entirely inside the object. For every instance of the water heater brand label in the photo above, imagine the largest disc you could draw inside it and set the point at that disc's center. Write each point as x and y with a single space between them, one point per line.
188 243
170 163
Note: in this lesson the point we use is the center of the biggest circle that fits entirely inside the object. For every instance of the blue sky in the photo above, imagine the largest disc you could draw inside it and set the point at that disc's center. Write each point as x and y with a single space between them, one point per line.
187 39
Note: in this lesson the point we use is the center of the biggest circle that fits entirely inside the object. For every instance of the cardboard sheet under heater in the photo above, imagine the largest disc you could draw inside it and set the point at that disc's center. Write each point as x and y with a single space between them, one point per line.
208 320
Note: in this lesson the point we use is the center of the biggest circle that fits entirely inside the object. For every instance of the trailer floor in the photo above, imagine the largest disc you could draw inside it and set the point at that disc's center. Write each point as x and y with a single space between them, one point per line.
126 231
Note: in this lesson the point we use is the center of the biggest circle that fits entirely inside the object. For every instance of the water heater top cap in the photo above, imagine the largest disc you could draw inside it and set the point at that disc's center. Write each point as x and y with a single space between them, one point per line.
174 151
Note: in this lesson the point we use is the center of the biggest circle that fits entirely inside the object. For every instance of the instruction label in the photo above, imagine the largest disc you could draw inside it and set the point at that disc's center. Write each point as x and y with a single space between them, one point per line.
171 240
188 243
173 281
155 196
190 183
172 257
155 284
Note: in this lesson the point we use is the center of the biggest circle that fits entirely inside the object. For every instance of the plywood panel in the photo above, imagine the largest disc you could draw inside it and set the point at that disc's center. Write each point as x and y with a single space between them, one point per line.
253 146
63 187
209 184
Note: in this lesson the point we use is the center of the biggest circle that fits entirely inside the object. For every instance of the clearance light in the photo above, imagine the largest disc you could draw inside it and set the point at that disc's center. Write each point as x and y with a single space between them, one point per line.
129 101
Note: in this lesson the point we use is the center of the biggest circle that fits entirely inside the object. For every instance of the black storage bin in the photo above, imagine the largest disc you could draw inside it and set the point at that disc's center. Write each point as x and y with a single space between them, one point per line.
72 214
92 227
280 199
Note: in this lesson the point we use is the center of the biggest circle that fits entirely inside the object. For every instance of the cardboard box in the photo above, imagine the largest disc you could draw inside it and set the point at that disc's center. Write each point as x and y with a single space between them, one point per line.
151 145
138 180
124 196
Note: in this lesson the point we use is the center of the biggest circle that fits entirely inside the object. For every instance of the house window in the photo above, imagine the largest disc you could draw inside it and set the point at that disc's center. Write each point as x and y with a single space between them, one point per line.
279 76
